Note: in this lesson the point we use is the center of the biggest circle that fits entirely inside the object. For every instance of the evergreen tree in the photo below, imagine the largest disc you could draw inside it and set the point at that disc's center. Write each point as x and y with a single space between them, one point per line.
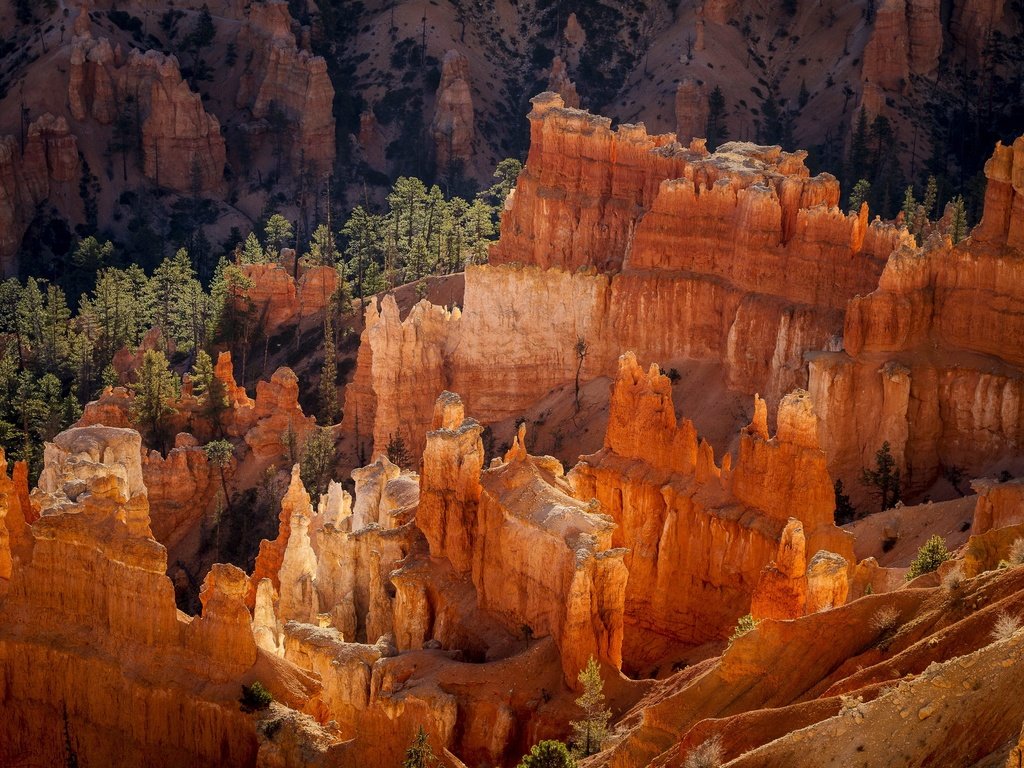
278 232
591 731
252 251
548 754
219 453
857 160
317 464
884 478
363 252
958 220
716 131
930 556
420 754
323 251
858 195
174 299
154 391
506 173
329 375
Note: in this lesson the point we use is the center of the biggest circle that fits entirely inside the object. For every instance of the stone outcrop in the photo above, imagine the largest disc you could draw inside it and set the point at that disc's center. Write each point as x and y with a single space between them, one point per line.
280 75
906 40
47 167
673 504
973 21
279 300
931 362
725 252
691 110
182 145
453 128
516 519
91 610
559 82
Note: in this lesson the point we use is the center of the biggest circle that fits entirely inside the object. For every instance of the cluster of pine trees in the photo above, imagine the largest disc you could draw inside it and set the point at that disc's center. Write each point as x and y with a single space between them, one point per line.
57 347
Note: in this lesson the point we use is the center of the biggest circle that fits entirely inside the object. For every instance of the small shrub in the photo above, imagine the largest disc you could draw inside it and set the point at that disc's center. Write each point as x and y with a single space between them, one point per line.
888 543
548 754
929 557
255 697
1016 556
706 755
1005 627
954 578
884 619
743 625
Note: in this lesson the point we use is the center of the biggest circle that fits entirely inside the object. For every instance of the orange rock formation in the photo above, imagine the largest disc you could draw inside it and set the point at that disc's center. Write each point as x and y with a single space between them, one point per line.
931 359
673 505
725 253
292 80
453 128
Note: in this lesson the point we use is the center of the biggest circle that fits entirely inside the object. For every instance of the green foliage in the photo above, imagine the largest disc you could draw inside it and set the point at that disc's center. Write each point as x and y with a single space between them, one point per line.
858 195
278 231
591 731
845 511
252 251
397 452
548 754
154 392
743 625
219 453
323 250
317 464
958 229
930 556
255 697
884 478
329 411
420 754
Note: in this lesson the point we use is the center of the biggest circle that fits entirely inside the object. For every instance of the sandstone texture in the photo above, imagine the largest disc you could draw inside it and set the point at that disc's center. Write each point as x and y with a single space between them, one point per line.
628 242
673 504
930 359
453 128
282 76
182 145
691 110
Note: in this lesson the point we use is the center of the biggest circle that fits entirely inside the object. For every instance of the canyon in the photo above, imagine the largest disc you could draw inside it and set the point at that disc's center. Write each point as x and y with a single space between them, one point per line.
710 344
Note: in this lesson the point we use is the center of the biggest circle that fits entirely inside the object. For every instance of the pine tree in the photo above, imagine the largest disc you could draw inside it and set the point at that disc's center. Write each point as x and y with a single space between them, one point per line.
909 208
329 375
252 251
591 731
717 133
548 754
857 160
278 231
317 464
323 251
931 196
958 220
858 195
420 754
845 511
219 453
884 478
156 387
363 252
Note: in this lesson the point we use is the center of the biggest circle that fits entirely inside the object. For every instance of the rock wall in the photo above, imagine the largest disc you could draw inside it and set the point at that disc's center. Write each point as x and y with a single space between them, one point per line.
628 242
691 110
182 145
285 77
47 167
453 128
932 361
697 535
89 624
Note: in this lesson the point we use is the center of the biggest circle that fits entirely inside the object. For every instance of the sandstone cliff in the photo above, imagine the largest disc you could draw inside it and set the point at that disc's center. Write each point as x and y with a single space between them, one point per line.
931 359
90 610
282 76
453 128
47 167
726 254
182 145
673 504
691 110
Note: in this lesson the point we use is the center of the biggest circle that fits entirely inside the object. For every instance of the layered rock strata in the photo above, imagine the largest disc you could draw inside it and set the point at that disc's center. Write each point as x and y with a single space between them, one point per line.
931 361
673 505
283 77
628 241
453 128
182 145
89 609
